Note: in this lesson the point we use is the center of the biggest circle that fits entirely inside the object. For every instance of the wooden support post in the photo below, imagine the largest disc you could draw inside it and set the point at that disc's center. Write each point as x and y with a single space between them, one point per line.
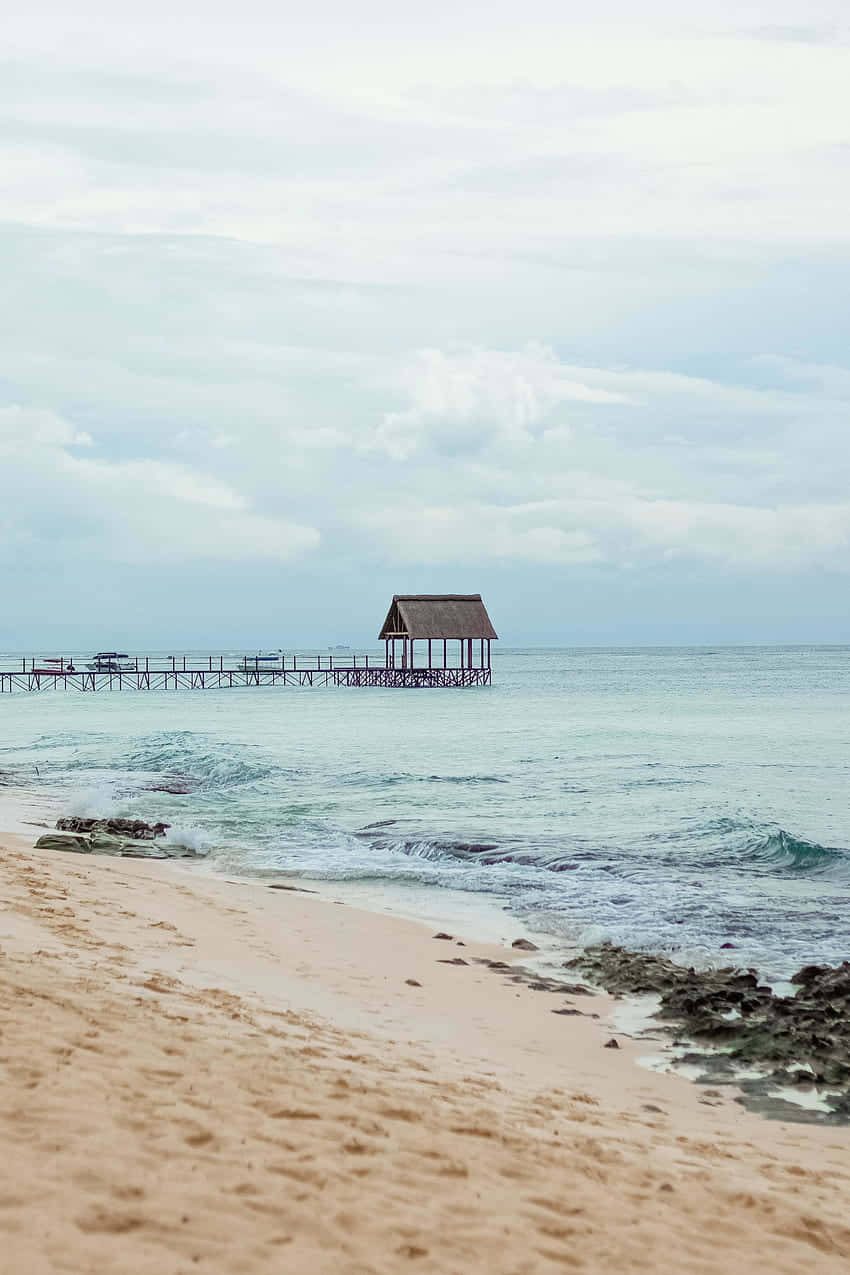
469 653
429 652
445 663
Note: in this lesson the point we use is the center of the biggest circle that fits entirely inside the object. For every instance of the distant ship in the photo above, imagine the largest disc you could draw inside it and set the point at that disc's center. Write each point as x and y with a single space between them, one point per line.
339 647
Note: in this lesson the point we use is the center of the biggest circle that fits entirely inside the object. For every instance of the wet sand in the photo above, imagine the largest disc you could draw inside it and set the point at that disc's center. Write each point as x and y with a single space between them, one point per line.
200 1074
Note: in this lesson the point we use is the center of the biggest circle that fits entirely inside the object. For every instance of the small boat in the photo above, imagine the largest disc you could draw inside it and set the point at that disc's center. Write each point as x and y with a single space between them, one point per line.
263 659
111 662
56 664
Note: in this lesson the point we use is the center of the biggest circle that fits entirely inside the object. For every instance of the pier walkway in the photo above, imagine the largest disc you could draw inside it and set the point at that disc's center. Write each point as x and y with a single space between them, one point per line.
191 674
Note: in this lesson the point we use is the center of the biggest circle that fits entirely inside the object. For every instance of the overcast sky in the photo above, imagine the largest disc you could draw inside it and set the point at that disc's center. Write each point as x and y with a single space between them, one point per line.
547 300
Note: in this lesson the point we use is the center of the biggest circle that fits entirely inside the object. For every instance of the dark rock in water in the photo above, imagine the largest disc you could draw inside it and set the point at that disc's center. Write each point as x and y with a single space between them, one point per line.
726 947
72 841
136 829
177 785
525 945
453 960
372 827
441 935
611 1044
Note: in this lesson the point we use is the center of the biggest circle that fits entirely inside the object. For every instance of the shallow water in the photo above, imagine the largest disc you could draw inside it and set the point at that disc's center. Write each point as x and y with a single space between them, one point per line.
669 799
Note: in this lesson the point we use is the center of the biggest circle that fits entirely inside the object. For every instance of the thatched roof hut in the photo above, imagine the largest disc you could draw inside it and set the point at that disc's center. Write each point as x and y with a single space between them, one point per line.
445 617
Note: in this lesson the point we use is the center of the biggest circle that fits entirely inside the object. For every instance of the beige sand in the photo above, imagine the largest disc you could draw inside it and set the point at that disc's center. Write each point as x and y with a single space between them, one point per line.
199 1075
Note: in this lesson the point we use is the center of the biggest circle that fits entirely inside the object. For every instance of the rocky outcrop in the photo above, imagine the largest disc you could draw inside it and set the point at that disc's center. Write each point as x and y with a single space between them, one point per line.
137 829
129 838
802 1039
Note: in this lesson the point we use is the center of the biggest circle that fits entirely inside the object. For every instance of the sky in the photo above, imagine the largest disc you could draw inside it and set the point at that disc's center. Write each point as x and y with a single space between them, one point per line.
306 305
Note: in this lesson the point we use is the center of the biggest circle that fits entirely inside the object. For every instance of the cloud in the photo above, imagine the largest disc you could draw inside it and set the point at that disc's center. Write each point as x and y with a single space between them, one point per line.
635 533
462 402
63 505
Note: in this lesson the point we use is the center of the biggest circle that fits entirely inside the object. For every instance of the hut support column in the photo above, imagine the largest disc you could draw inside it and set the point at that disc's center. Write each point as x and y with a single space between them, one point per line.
429 653
469 663
445 663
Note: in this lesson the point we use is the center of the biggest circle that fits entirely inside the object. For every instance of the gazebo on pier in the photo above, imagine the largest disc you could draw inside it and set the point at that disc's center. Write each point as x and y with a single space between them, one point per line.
437 620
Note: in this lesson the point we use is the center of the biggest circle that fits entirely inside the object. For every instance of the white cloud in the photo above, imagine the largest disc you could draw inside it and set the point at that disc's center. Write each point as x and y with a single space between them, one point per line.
462 402
65 506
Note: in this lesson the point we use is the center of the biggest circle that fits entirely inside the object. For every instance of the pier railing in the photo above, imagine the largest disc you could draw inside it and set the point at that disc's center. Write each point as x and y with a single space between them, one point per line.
185 672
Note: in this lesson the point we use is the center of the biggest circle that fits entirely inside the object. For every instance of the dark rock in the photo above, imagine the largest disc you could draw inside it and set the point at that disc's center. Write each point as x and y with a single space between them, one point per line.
441 935
135 829
453 960
568 1012
611 1044
411 982
177 786
525 945
726 947
800 1039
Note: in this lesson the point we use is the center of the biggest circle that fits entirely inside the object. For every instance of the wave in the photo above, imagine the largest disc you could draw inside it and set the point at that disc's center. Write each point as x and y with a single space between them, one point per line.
481 853
782 849
176 755
735 849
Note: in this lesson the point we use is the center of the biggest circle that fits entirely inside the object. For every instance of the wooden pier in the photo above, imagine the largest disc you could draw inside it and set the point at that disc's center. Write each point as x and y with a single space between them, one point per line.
453 631
181 675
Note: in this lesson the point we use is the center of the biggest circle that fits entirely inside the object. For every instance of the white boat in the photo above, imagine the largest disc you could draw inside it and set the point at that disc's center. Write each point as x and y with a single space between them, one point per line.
111 662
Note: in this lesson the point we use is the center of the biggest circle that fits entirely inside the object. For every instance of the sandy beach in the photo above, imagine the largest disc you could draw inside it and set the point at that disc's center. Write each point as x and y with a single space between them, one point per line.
206 1074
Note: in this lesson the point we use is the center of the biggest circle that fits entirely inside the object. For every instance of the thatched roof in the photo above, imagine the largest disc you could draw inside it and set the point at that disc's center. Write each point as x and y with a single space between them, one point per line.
438 615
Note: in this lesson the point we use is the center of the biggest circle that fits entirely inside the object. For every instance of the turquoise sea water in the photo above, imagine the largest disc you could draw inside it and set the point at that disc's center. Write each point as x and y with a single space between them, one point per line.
669 799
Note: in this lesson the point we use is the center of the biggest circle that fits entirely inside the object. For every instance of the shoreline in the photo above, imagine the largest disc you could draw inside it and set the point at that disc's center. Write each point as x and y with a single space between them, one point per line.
317 1087
641 1012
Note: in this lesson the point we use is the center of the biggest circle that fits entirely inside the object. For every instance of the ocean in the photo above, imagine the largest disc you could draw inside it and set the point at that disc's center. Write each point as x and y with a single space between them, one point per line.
672 800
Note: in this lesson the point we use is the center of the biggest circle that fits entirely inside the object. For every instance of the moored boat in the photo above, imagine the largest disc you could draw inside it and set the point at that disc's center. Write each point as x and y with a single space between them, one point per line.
111 662
263 659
